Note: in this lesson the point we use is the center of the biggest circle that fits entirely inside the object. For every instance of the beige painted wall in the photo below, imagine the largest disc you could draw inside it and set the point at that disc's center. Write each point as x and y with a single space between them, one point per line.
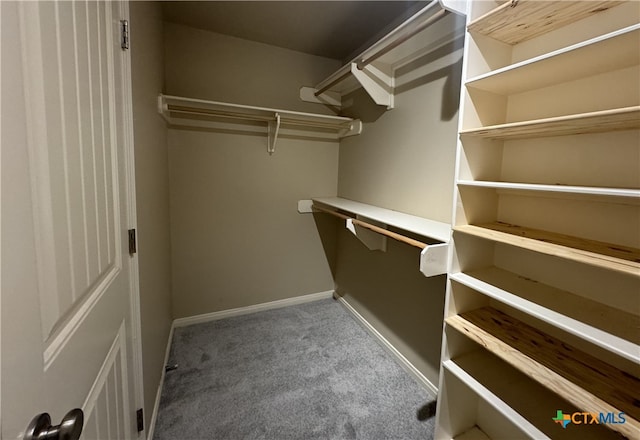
152 194
207 65
237 238
404 160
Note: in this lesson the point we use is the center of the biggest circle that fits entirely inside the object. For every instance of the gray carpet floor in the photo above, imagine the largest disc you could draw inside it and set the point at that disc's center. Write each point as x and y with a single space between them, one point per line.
302 372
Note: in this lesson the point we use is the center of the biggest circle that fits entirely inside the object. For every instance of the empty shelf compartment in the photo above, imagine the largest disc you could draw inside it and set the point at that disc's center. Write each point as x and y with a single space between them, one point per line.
587 382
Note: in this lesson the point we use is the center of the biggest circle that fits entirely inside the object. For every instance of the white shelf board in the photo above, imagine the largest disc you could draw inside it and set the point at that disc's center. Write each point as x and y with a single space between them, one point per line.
418 225
606 53
569 189
560 299
488 396
193 112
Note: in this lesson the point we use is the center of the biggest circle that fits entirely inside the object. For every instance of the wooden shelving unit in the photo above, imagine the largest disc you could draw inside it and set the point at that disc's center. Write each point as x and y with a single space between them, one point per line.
546 238
559 367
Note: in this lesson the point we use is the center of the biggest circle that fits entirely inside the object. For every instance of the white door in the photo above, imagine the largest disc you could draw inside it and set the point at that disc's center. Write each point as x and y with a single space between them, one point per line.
69 295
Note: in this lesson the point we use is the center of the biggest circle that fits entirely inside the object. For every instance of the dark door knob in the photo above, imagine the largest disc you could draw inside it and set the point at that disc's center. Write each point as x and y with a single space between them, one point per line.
69 429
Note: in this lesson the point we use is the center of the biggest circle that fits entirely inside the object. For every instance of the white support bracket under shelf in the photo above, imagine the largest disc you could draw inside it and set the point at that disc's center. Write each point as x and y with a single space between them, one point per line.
376 82
372 240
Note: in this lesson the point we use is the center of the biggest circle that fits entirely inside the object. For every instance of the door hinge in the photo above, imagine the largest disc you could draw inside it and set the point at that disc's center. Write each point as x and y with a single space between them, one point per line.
124 34
132 242
140 420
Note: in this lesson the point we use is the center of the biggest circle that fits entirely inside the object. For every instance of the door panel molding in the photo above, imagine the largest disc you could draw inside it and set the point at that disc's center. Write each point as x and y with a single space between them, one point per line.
68 154
59 338
38 146
105 416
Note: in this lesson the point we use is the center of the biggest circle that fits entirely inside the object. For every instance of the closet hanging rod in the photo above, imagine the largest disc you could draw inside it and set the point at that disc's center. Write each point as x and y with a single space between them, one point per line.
332 83
379 230
390 41
233 115
397 42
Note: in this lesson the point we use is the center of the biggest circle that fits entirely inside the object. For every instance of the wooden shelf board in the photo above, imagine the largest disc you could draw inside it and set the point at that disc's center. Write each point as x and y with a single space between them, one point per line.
592 122
607 327
585 381
569 189
595 253
529 18
427 228
606 53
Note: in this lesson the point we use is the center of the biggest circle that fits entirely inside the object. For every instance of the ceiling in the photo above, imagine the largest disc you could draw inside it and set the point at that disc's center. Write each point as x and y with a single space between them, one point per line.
333 29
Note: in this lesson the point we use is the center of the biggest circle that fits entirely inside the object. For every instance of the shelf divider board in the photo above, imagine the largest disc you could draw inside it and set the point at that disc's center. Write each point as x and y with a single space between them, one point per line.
488 396
607 327
606 53
418 225
593 122
585 381
527 19
569 189
595 253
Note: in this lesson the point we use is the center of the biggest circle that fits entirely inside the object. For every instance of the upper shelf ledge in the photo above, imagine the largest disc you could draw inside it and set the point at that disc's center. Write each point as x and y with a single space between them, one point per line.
276 122
374 69
433 257
516 21
418 225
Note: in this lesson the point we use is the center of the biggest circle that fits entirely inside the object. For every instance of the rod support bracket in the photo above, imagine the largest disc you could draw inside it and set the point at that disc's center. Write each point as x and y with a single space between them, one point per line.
433 259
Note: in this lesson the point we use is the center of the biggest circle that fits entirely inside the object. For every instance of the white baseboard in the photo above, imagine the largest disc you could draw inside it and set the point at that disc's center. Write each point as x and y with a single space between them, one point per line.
404 362
206 317
156 406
